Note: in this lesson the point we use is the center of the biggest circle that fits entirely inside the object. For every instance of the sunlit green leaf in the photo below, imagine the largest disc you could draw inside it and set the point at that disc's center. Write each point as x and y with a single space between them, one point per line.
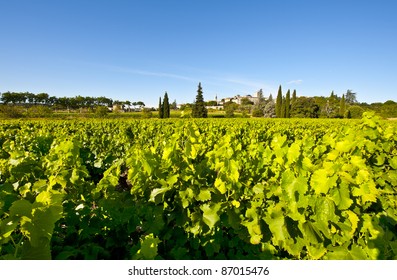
204 195
210 214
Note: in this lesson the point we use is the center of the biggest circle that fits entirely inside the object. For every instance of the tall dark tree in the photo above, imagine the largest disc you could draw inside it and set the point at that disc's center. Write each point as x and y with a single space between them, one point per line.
293 96
140 104
342 106
14 97
283 109
259 105
161 111
52 100
31 97
42 98
7 97
166 106
199 110
279 102
351 97
287 104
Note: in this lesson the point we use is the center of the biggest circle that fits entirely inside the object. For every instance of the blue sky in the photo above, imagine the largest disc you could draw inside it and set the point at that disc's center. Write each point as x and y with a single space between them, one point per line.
137 50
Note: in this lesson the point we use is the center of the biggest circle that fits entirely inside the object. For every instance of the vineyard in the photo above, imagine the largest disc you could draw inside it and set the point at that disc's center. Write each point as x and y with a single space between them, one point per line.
198 189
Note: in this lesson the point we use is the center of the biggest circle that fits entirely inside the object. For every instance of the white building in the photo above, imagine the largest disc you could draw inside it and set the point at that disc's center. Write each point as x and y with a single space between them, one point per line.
237 99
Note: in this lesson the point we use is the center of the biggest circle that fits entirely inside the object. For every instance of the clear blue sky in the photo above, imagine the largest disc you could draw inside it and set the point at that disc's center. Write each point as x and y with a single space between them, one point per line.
137 50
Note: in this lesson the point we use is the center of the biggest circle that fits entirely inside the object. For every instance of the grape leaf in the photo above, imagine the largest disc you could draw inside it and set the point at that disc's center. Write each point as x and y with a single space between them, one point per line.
210 214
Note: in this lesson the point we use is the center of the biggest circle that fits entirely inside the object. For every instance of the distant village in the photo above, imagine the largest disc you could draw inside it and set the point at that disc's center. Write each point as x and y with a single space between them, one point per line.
219 104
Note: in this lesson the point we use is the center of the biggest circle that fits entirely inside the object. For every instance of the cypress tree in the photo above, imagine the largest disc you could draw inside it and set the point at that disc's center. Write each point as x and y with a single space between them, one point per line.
293 96
283 109
342 106
199 110
279 102
287 104
161 112
166 106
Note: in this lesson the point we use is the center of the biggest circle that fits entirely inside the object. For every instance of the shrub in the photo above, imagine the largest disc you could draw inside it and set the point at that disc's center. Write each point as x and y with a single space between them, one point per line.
257 113
10 112
229 112
356 112
39 112
101 111
147 113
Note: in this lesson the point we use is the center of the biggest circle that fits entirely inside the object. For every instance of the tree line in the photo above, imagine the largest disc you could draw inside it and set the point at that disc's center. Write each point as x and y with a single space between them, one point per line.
77 102
287 106
283 106
291 106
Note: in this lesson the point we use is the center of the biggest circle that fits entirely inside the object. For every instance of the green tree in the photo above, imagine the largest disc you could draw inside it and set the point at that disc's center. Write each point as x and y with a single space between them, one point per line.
211 103
13 97
31 97
140 104
166 106
174 105
287 104
230 107
104 101
305 107
270 109
199 110
342 106
52 100
332 106
388 109
351 97
186 106
257 112
259 105
356 112
80 101
245 101
101 111
283 108
279 102
293 96
161 111
42 98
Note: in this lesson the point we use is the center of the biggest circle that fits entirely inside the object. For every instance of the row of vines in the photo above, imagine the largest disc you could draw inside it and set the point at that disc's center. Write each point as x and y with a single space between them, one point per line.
198 189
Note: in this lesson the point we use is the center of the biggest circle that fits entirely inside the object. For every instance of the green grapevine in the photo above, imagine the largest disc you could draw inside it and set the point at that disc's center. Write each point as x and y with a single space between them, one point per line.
198 189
